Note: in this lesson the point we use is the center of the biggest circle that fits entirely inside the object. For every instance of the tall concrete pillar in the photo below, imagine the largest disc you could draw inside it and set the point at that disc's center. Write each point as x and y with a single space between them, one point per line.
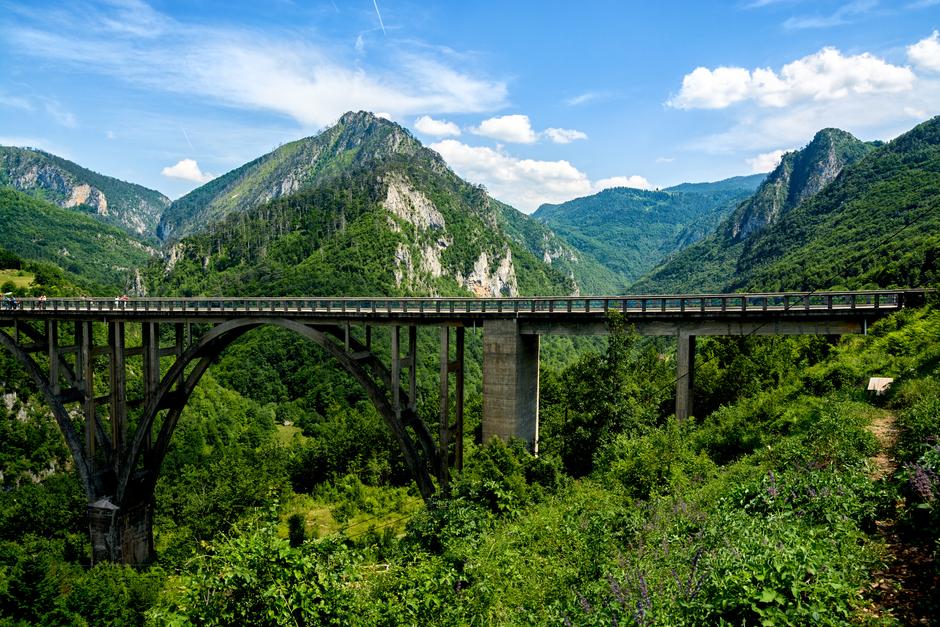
685 374
510 383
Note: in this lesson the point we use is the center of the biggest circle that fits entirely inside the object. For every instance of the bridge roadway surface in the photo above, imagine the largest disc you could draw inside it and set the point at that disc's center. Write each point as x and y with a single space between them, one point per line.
532 312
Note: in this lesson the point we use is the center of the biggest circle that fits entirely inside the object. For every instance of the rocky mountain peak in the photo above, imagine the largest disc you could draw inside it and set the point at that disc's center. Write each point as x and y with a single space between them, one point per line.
359 140
800 175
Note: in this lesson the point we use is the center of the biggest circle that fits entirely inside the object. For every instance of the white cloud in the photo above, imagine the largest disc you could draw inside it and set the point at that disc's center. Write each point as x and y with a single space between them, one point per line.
580 99
925 54
524 183
665 159
860 93
765 162
517 129
385 115
438 128
564 135
188 170
508 128
284 73
825 75
635 181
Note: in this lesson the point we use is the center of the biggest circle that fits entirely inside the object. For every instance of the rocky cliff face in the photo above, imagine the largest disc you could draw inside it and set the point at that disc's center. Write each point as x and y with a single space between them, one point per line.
131 207
800 175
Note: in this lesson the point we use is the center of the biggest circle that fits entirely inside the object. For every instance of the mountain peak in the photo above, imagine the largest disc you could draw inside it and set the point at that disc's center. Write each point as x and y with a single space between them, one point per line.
801 174
359 139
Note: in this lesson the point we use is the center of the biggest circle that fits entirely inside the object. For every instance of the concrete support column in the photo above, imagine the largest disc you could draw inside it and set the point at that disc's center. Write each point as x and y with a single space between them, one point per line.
510 383
118 373
84 335
685 375
52 332
151 355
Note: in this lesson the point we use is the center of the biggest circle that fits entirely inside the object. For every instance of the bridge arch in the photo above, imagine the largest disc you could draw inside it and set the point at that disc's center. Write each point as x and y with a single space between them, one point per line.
419 450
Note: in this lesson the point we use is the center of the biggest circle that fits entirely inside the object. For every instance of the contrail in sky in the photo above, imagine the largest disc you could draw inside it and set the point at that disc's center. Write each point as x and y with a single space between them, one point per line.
186 135
381 23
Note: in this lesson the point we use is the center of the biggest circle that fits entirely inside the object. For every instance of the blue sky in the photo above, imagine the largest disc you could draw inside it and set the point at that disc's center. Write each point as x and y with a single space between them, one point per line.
539 101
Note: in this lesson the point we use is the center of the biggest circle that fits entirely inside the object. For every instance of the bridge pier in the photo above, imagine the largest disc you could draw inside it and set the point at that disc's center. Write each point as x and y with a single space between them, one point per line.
510 382
685 374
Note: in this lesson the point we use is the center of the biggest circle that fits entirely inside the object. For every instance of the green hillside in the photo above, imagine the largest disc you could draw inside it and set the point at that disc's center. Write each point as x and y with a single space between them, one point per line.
92 252
878 224
590 276
131 207
628 230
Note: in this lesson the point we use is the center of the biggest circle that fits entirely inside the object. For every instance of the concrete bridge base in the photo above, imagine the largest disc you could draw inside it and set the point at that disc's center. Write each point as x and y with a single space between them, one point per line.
121 535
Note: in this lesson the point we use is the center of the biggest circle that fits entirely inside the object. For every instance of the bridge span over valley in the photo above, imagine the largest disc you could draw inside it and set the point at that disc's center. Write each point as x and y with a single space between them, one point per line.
176 339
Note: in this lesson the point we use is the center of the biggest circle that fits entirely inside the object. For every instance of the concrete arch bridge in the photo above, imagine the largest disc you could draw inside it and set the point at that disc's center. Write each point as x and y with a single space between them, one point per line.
118 460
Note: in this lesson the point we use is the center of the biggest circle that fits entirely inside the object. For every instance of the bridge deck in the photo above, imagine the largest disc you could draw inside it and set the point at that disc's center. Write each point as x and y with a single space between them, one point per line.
801 305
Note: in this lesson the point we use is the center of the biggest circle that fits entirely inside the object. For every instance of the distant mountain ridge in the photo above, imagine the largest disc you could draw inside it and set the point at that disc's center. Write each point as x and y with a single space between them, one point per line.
630 230
129 206
825 218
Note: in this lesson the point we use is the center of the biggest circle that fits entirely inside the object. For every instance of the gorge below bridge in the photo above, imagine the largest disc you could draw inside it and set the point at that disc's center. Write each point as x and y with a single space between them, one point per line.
118 443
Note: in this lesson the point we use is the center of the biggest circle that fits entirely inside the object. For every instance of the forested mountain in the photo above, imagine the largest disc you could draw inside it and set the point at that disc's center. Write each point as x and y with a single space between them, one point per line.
800 175
748 182
837 190
94 253
630 230
131 207
362 208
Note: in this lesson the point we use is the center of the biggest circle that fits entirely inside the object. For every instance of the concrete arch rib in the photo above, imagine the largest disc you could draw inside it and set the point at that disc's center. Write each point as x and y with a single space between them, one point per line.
370 376
82 464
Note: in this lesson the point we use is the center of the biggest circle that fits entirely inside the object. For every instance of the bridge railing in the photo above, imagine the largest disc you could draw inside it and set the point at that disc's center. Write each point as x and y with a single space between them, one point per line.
629 304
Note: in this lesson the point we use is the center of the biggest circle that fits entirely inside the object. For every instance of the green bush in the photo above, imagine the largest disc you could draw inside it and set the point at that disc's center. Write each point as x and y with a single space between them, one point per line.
660 462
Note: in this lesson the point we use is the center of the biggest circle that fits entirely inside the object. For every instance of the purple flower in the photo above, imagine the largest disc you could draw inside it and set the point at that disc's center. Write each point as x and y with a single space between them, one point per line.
922 481
772 488
616 589
584 604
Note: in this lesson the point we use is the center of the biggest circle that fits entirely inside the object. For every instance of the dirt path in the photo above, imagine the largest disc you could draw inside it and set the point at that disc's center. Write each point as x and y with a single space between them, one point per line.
883 427
903 589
